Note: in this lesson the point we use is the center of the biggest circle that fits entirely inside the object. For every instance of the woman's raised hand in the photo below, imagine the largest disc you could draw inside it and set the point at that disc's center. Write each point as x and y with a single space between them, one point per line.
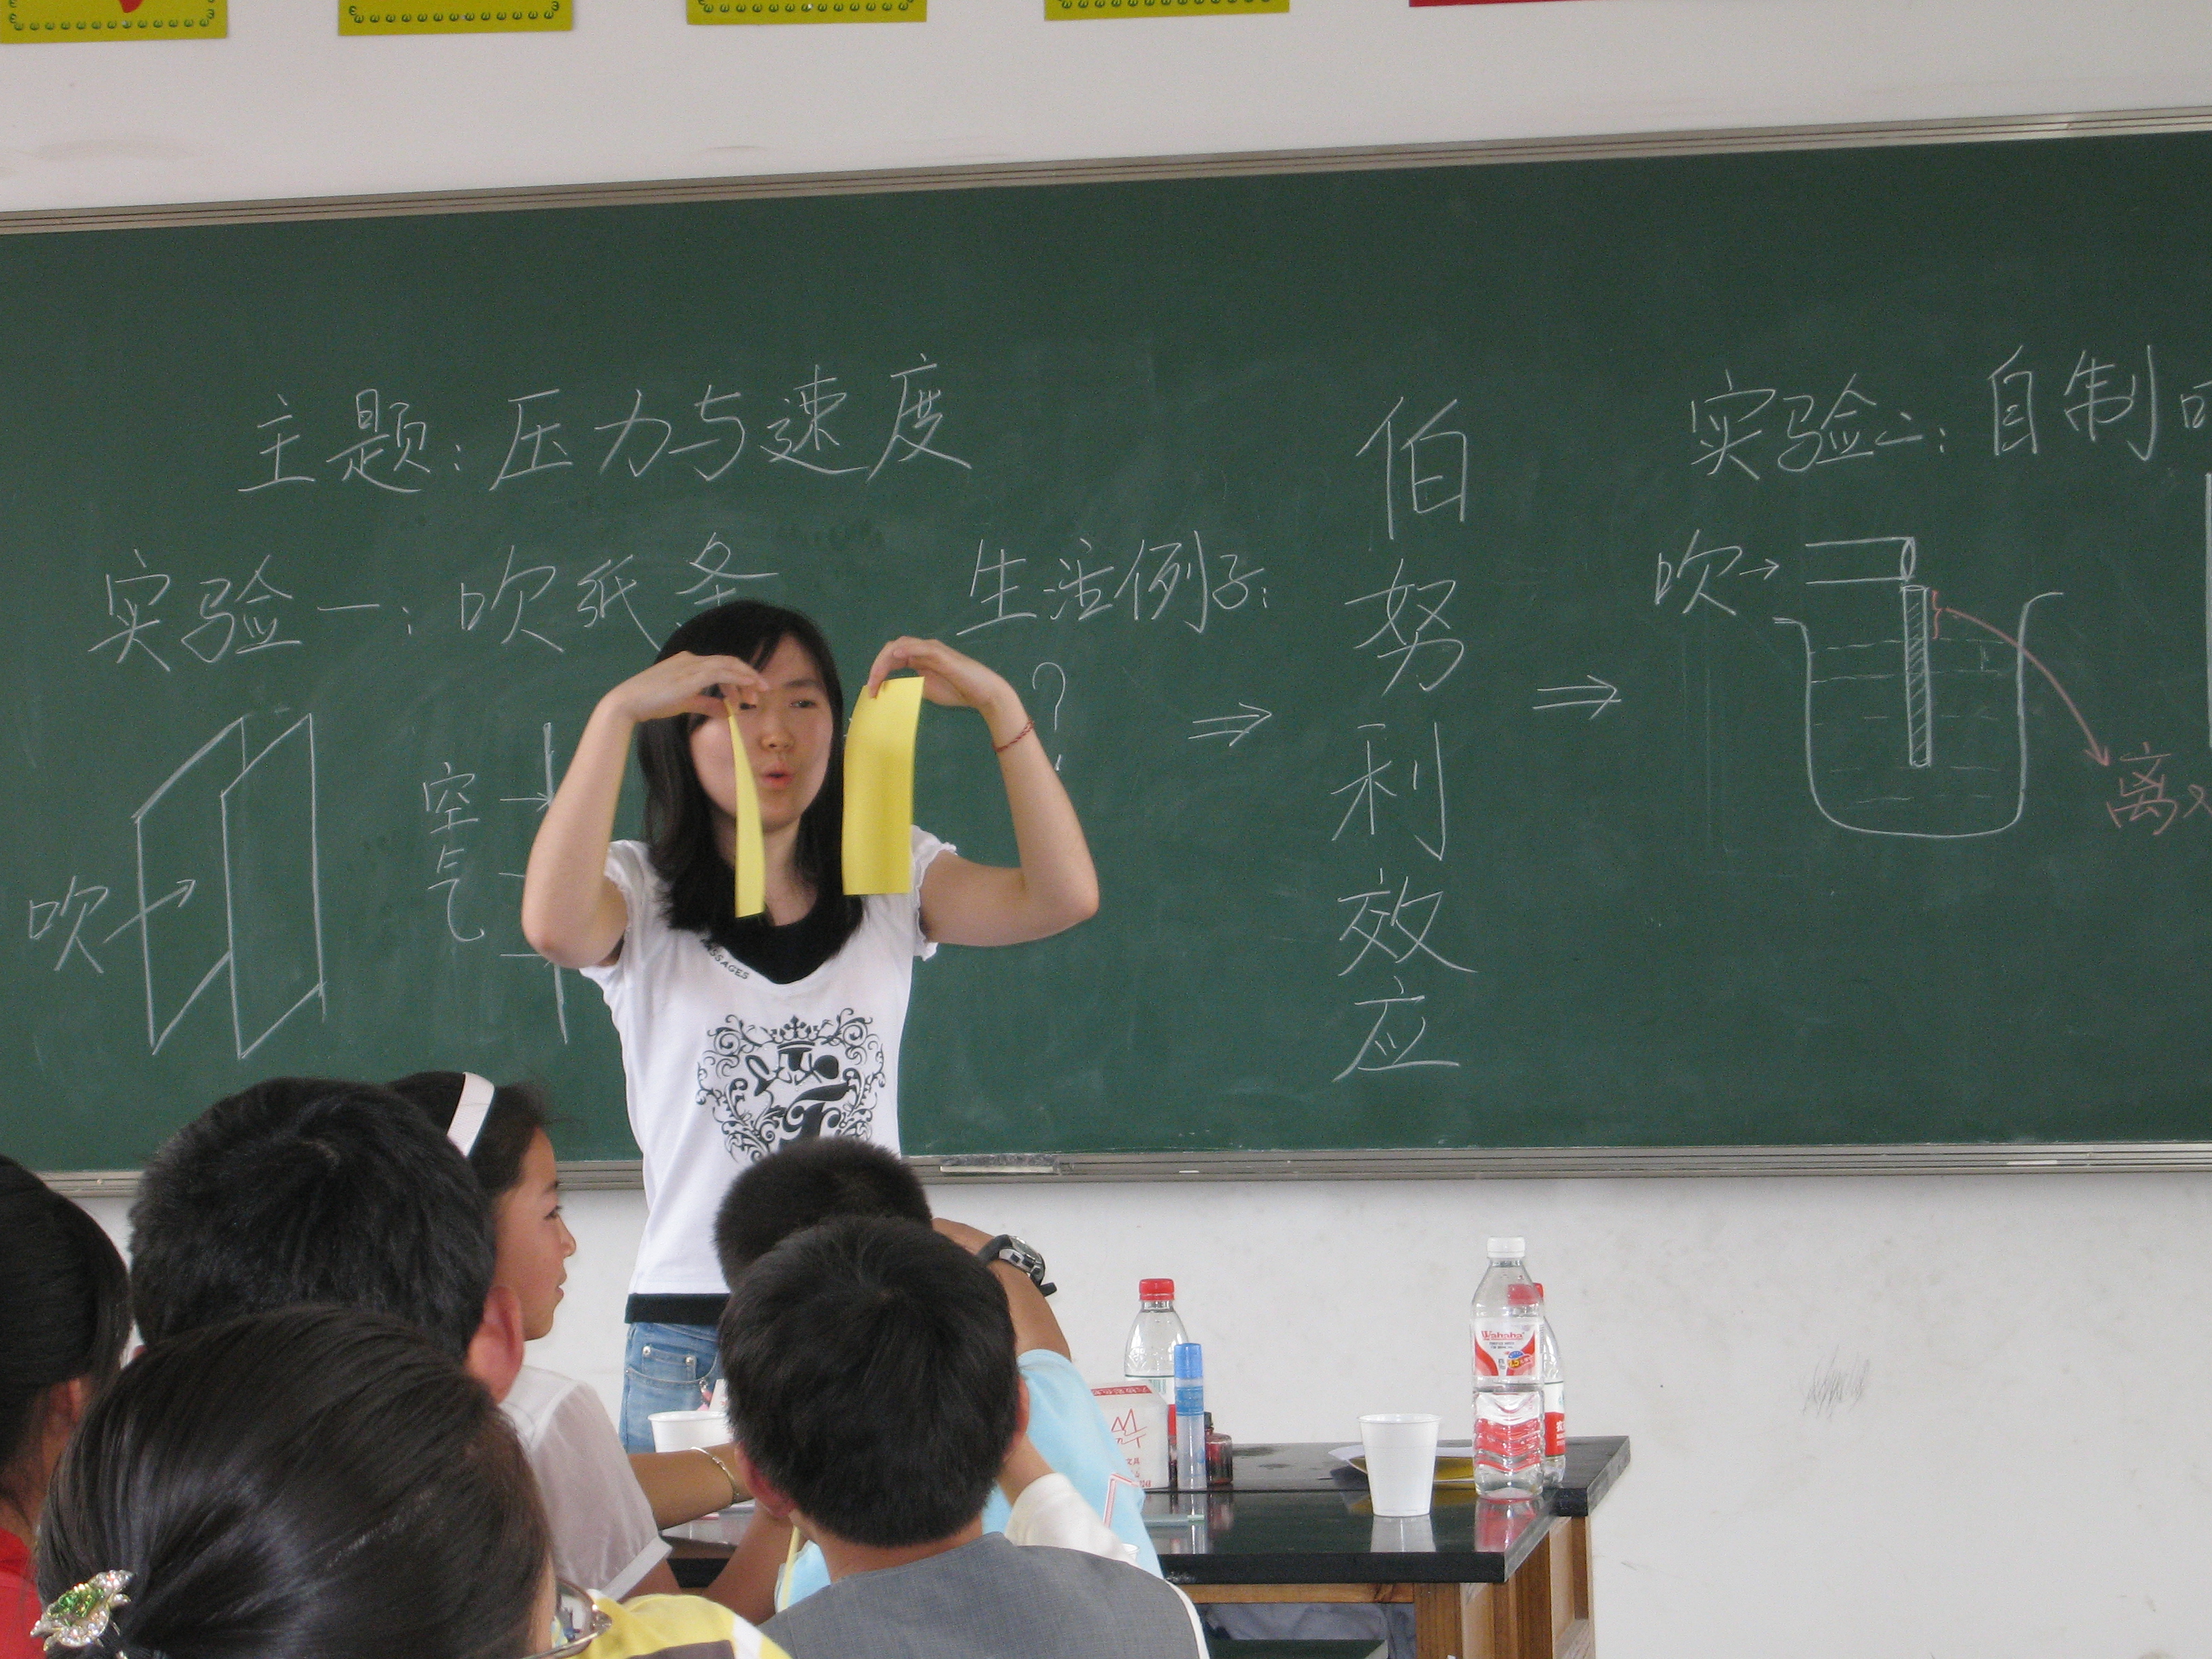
948 678
684 685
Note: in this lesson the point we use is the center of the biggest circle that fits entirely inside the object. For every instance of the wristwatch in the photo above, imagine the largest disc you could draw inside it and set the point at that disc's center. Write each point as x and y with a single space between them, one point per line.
1016 1254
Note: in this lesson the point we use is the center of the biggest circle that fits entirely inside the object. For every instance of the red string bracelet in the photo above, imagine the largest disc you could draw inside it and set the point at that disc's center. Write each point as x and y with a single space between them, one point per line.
1028 726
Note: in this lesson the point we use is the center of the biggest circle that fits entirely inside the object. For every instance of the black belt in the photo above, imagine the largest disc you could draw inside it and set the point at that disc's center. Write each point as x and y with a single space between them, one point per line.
705 1311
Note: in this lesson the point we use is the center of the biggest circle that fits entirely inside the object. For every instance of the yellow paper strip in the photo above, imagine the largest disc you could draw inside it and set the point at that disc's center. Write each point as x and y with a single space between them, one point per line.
24 22
752 863
1071 11
879 789
806 11
452 16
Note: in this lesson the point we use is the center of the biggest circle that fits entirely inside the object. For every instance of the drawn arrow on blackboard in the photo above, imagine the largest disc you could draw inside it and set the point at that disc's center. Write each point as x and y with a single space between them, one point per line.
1594 694
2096 751
1235 727
180 895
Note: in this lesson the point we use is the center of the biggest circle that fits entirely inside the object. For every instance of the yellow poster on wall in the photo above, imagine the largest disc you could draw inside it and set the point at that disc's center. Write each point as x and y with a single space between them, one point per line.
806 11
26 21
417 17
1073 11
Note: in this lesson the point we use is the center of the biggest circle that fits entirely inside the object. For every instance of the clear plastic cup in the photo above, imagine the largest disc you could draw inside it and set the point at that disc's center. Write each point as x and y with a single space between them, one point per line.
1401 1459
680 1430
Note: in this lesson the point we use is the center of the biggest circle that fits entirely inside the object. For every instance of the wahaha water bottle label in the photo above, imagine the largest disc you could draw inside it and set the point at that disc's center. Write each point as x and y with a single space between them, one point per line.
1508 1439
1505 1347
1555 1434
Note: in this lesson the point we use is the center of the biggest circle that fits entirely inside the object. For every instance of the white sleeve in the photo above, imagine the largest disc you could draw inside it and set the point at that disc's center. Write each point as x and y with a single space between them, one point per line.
604 1537
630 869
926 847
1051 1511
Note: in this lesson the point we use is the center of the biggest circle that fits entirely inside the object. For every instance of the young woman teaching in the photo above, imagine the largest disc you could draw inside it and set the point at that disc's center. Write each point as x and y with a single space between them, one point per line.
742 1035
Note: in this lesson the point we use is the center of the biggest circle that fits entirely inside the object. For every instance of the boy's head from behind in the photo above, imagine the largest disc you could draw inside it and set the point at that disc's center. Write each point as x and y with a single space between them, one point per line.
308 1190
805 1185
873 1379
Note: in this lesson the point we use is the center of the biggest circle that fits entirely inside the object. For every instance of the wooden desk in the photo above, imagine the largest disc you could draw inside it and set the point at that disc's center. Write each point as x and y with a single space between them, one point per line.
1487 1581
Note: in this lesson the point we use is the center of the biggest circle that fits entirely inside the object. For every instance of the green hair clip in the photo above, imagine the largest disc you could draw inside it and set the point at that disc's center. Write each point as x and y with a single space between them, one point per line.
79 1616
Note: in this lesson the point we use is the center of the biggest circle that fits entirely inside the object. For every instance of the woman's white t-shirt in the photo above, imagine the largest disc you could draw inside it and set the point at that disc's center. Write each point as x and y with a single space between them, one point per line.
723 1066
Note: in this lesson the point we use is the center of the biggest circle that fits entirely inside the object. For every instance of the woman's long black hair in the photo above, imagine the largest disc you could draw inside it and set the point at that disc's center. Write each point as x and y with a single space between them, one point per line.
315 1480
679 819
64 1312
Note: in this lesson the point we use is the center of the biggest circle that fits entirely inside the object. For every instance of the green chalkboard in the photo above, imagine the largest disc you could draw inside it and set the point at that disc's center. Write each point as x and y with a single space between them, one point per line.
1707 651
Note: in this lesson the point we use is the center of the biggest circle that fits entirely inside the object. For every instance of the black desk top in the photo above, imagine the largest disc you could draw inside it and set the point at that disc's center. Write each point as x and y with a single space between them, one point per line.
1297 1516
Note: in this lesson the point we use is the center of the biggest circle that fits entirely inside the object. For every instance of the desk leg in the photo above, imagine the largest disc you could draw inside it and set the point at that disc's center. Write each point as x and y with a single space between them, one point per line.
1542 1612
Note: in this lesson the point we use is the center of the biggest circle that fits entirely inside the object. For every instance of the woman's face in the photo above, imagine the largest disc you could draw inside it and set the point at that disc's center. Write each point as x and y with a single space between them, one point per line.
787 734
534 1243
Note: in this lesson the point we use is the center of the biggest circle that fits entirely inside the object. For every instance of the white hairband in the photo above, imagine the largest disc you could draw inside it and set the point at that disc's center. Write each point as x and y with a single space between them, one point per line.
468 1116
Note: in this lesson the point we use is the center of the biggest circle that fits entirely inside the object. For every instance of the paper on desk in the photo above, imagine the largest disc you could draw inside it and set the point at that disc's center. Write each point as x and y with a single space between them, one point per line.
752 867
879 789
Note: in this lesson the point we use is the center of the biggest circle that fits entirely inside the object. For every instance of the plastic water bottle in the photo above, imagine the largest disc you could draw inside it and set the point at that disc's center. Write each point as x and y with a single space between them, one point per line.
1150 1357
1554 1386
1509 1396
1190 1476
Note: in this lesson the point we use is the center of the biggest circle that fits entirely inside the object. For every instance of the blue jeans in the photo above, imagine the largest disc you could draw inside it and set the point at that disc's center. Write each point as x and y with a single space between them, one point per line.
664 1368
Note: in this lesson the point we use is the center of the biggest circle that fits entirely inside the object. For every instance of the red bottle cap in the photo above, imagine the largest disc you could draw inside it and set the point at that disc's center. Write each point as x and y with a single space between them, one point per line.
1523 1296
1156 1290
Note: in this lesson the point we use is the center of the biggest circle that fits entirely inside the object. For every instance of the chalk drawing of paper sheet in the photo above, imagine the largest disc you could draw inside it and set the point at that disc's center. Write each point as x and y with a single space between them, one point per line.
237 825
1909 731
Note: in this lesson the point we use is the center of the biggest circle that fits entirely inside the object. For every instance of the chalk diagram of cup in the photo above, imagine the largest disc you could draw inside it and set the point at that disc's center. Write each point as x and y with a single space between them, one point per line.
1909 729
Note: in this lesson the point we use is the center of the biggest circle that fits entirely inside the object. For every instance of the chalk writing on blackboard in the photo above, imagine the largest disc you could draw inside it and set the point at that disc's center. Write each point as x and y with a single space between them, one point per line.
131 600
1413 622
243 822
1750 427
1248 718
1434 471
392 453
446 801
77 906
1396 922
1388 1045
280 438
521 588
717 583
1591 693
804 439
1158 569
254 608
1002 592
1423 802
538 438
914 427
605 586
1701 567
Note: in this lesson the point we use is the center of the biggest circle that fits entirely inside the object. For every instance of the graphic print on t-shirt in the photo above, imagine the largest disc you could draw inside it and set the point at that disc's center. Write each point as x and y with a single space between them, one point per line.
768 1086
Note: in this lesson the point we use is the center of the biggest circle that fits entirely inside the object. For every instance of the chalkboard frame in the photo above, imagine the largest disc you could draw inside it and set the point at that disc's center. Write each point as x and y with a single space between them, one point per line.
1347 1163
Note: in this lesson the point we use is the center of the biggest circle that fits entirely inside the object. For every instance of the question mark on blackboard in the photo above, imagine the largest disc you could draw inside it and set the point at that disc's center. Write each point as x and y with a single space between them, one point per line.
1036 676
1036 673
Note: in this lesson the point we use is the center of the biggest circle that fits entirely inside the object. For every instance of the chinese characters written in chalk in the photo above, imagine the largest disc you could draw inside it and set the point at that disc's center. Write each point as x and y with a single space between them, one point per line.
700 432
1160 580
2142 795
1750 431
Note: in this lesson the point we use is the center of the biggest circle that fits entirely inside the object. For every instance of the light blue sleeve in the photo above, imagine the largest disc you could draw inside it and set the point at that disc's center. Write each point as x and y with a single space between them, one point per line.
1070 1433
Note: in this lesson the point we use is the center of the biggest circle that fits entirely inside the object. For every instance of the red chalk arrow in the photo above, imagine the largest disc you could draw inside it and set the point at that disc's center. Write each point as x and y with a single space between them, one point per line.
2096 751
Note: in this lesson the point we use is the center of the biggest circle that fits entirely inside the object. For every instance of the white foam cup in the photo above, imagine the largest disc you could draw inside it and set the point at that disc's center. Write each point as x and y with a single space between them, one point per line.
678 1430
1401 1459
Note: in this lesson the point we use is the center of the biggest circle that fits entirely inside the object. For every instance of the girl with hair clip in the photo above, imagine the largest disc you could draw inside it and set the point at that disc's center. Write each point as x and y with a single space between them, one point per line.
605 1508
740 1036
64 1316
322 1481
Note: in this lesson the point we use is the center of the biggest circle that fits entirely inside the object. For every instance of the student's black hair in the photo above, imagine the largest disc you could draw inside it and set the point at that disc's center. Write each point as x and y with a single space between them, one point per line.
518 1113
64 1312
679 820
308 1482
872 1378
806 1183
305 1190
